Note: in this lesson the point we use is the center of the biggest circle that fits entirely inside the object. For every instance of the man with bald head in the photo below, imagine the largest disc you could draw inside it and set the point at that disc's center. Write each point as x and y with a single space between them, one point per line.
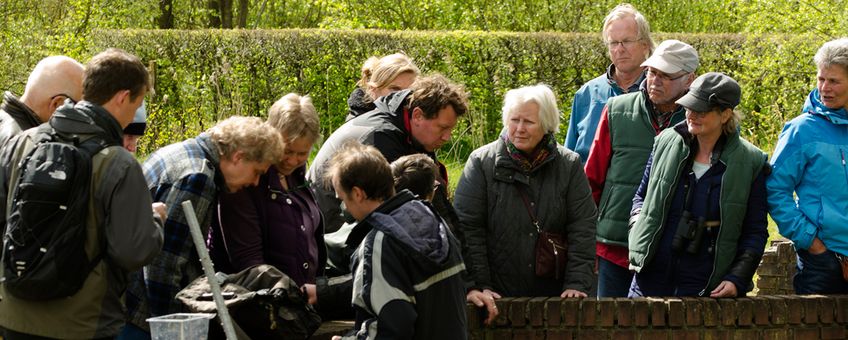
53 80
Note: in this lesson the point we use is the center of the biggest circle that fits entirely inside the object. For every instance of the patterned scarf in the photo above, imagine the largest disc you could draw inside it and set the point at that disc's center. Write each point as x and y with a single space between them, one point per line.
528 163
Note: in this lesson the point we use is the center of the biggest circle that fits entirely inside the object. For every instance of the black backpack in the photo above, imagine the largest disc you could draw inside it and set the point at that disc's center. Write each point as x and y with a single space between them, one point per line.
44 242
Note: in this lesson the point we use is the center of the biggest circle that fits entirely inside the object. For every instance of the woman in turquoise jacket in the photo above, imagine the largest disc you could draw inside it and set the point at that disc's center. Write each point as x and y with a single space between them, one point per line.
809 162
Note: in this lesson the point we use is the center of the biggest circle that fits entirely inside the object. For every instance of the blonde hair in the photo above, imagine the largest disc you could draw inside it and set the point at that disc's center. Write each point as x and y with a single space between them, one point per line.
259 141
379 72
626 10
295 117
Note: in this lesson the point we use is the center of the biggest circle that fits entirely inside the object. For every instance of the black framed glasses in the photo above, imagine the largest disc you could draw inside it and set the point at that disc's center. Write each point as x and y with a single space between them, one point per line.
65 96
624 43
664 76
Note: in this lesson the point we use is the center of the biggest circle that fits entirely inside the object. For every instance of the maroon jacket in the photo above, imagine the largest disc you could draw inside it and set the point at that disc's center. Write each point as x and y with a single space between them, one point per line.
266 224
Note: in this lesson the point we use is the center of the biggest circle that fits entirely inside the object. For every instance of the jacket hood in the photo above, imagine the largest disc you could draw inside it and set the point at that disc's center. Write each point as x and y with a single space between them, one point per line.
392 103
359 103
414 224
813 105
87 118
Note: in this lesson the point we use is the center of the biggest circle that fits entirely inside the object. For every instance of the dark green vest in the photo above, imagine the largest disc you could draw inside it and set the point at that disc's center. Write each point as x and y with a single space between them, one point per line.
631 137
743 160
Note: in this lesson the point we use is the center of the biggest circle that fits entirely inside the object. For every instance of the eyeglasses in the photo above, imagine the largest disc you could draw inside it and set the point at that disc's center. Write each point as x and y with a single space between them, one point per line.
63 95
665 77
624 43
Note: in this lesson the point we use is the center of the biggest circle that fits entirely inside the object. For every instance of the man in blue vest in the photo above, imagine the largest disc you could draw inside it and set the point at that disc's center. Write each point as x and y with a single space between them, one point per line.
616 162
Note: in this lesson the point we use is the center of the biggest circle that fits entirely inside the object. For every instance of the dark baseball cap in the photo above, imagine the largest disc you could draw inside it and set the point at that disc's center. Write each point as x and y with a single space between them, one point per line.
711 90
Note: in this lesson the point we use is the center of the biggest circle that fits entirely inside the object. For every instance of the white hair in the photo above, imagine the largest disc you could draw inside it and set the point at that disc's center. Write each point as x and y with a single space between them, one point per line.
540 94
834 52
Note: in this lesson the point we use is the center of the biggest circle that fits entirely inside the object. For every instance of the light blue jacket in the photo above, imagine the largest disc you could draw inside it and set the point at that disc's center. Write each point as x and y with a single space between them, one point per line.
809 160
589 102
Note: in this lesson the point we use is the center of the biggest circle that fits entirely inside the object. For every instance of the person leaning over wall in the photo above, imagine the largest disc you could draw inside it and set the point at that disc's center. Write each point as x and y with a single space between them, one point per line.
622 144
809 163
407 271
699 224
380 76
516 187
627 35
228 157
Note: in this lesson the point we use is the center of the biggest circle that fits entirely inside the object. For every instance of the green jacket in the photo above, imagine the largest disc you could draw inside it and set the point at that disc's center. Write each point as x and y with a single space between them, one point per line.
743 162
631 135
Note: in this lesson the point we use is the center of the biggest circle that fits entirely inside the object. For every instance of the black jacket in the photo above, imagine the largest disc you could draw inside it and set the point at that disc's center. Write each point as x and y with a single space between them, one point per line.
15 117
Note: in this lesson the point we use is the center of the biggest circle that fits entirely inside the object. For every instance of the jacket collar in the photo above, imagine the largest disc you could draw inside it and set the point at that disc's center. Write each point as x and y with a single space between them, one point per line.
19 111
814 106
87 118
507 170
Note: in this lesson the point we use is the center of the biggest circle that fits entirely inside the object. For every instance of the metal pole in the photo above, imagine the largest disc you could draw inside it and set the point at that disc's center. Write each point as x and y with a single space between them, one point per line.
200 244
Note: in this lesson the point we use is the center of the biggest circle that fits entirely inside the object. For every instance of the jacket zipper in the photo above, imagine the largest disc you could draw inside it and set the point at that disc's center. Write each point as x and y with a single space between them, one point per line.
665 206
718 237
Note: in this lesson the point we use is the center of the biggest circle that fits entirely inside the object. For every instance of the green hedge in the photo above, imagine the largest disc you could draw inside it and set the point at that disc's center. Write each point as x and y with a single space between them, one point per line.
203 76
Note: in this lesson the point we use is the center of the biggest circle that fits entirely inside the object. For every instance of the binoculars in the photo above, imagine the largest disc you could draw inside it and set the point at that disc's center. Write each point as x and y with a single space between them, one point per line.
689 234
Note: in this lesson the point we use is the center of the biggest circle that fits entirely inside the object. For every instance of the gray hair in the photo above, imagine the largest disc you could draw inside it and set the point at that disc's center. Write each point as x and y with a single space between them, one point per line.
626 10
540 94
834 52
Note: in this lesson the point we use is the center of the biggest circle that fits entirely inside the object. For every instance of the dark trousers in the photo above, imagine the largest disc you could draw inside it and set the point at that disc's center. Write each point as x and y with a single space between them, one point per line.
613 280
819 274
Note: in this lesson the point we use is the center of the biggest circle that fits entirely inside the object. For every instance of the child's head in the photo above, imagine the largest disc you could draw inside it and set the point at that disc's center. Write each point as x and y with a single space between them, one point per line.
417 173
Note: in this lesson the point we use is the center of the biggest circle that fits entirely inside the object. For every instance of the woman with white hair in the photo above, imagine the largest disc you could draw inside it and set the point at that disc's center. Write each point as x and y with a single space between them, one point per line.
515 189
808 190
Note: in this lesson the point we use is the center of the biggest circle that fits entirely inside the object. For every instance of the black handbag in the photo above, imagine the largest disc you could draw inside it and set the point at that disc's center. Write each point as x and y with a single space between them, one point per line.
551 248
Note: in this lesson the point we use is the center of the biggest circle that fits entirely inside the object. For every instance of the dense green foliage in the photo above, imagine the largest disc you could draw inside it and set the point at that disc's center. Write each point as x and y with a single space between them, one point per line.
202 76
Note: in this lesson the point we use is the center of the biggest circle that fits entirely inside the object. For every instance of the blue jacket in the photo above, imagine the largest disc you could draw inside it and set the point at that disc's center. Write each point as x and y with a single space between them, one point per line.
586 109
809 160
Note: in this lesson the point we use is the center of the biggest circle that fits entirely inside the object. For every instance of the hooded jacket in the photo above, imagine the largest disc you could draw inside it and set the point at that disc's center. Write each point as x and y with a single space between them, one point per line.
358 104
407 276
810 162
15 116
132 238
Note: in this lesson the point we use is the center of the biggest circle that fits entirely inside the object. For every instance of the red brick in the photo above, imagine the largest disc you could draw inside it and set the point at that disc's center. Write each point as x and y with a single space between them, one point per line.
641 312
728 312
472 315
518 312
841 308
659 310
683 334
711 312
694 311
746 334
806 333
558 334
528 334
795 307
761 310
811 308
676 313
606 308
717 334
502 334
655 334
628 334
776 334
553 313
592 334
624 312
588 312
536 311
826 309
571 311
503 311
777 305
744 311
834 332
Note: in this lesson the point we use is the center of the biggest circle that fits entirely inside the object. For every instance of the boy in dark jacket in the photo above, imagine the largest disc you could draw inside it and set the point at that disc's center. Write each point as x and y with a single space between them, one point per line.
407 269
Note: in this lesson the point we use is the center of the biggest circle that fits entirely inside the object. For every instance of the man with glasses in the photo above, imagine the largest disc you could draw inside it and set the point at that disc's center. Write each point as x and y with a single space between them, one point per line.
53 80
621 148
627 35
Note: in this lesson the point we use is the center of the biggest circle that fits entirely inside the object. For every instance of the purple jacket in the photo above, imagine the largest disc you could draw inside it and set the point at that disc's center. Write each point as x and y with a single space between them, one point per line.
267 224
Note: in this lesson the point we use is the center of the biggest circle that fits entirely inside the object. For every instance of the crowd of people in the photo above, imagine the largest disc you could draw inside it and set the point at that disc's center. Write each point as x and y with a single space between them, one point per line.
654 193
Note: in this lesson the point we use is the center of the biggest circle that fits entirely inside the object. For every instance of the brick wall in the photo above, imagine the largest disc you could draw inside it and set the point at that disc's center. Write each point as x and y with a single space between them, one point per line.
777 269
761 317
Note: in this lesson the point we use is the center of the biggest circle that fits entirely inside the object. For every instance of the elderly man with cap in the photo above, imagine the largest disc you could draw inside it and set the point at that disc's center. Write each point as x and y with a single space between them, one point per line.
622 143
135 130
699 215
627 35
53 80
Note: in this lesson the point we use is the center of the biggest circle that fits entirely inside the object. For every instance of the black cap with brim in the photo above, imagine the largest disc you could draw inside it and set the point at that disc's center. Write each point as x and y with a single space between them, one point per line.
711 90
135 129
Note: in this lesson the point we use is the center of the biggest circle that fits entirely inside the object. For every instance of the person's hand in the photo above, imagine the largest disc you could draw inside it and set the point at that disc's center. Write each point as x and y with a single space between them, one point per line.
337 337
568 293
724 289
310 292
817 247
160 209
485 298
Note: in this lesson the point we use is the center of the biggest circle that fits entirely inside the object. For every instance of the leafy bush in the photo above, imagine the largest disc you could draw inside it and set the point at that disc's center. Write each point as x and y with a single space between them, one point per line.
203 76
